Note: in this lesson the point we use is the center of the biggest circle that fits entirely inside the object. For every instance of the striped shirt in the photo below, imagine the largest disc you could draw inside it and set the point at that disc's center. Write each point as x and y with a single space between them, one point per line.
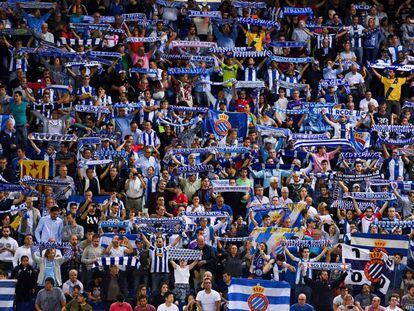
250 74
159 259
150 139
85 90
356 34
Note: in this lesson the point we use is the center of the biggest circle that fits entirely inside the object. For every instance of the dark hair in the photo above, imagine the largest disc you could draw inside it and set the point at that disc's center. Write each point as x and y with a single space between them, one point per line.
142 297
120 298
168 294
50 280
54 209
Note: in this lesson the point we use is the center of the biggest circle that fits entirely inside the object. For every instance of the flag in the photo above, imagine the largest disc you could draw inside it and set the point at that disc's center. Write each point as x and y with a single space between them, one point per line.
35 169
258 295
106 239
272 237
394 243
219 123
368 267
7 293
360 140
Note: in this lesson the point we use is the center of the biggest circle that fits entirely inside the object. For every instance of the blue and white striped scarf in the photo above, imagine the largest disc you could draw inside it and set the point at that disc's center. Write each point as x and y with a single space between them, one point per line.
192 109
249 84
110 154
209 150
83 64
131 17
232 189
117 261
408 104
98 162
334 82
190 123
104 54
206 214
114 224
238 239
333 143
248 54
394 224
144 71
291 85
44 182
298 136
53 137
360 155
221 50
266 130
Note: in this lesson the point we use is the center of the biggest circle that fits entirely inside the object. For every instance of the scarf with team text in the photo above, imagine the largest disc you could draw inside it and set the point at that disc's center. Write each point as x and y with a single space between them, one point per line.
274 166
193 44
238 239
270 130
221 50
290 10
249 84
113 154
210 14
323 84
299 136
83 42
144 71
397 142
131 17
185 71
346 113
305 243
232 189
178 253
66 248
209 150
92 109
367 196
114 224
385 66
326 266
349 205
195 169
360 155
98 162
295 60
83 64
44 182
248 54
141 39
357 177
288 44
257 22
393 128
251 5
117 261
192 109
53 137
216 214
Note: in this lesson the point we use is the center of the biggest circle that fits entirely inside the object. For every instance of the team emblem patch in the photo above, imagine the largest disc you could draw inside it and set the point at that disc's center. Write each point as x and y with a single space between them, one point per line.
258 301
222 125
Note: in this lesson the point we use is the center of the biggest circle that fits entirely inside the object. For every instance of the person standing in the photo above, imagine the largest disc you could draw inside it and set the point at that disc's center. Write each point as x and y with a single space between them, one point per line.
26 284
18 109
208 299
50 298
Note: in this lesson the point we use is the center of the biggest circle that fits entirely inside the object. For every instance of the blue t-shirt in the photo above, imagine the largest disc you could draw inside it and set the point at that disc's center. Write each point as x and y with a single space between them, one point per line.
306 307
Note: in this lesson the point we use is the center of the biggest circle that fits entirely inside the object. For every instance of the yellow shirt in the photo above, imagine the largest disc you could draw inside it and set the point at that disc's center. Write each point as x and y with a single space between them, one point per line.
257 38
229 72
392 87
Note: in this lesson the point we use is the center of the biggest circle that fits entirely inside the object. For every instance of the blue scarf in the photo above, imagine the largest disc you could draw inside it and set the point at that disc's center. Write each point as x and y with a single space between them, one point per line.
288 44
257 22
195 169
188 71
210 14
290 10
53 137
367 196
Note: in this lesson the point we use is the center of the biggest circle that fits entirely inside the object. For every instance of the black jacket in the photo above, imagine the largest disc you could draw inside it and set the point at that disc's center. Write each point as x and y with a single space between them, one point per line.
322 292
26 282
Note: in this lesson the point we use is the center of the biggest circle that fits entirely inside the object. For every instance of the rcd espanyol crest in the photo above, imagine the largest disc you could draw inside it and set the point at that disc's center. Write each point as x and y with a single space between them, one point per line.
373 269
258 301
222 125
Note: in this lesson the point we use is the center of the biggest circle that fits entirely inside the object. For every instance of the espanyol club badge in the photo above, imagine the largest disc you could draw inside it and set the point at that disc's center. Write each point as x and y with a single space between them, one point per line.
258 301
373 269
222 125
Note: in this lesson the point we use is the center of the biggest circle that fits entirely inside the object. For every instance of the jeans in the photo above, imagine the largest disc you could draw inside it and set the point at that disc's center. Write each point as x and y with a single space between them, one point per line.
156 280
370 54
359 52
21 132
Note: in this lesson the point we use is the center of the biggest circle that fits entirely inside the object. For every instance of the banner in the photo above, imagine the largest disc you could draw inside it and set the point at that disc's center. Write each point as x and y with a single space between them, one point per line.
368 267
34 168
392 243
257 294
360 140
357 177
219 123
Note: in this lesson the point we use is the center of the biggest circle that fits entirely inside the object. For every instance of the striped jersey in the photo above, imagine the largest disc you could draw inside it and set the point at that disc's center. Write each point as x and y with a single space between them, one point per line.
159 259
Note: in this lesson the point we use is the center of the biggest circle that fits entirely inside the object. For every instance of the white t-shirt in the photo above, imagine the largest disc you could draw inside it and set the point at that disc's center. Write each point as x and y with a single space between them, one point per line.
118 252
363 104
208 301
164 307
8 243
181 275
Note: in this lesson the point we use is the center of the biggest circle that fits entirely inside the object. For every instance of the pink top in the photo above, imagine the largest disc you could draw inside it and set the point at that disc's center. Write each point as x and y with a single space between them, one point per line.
317 160
125 306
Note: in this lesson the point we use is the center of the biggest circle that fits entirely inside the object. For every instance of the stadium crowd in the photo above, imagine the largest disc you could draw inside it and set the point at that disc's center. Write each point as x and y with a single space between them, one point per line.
153 151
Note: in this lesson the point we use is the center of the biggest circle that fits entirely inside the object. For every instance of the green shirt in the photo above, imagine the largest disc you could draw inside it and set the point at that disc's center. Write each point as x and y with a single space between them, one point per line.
19 112
229 72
